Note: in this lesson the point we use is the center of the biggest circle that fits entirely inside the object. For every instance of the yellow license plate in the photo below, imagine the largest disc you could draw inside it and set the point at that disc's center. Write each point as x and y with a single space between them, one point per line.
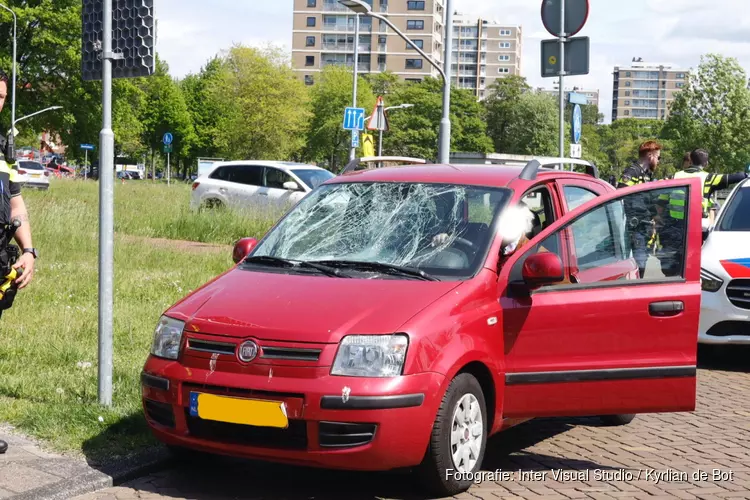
239 411
36 176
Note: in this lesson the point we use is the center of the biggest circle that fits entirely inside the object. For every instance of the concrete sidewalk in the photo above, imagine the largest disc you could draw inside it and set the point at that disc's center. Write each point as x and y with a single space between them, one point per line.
27 471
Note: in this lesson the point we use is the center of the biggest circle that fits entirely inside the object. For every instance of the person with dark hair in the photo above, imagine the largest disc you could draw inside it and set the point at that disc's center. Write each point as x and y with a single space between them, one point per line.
639 172
16 267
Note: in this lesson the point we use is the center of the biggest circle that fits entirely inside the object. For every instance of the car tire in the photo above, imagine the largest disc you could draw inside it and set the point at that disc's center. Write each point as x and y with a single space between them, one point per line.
438 468
212 204
614 420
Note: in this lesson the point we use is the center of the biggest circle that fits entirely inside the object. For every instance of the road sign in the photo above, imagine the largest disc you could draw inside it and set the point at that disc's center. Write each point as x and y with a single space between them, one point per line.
577 122
368 145
355 139
87 147
576 57
167 148
354 119
575 151
379 120
167 139
576 15
576 98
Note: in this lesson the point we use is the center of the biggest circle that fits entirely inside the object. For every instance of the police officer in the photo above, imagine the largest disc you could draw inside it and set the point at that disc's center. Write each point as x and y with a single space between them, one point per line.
12 208
638 211
675 203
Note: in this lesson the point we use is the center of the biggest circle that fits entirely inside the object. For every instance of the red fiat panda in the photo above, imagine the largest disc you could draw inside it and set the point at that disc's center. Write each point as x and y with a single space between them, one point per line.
398 317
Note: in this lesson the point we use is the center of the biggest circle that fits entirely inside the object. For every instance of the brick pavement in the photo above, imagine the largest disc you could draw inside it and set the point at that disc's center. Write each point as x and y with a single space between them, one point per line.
656 456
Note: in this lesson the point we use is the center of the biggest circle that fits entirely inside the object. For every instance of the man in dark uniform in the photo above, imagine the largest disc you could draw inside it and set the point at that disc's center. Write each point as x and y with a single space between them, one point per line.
639 212
14 224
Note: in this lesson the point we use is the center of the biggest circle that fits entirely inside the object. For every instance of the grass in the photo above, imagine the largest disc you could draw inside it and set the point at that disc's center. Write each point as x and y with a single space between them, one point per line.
49 339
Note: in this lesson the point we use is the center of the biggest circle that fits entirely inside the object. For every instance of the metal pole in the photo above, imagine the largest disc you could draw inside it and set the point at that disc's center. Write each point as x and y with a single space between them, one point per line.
85 163
380 144
353 150
106 215
562 73
444 150
169 171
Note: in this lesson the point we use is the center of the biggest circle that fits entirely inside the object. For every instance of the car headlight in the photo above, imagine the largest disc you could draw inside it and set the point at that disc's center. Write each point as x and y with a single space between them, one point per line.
371 356
710 282
167 338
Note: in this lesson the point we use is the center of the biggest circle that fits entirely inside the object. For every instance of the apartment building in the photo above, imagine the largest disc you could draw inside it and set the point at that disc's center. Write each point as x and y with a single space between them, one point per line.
484 51
645 90
592 96
324 30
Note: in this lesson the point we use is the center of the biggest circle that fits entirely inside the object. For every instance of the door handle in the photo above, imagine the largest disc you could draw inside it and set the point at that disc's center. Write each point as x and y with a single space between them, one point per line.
667 308
222 190
262 194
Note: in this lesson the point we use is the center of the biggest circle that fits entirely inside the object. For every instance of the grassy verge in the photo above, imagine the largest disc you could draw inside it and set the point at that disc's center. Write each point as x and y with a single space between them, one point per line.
48 341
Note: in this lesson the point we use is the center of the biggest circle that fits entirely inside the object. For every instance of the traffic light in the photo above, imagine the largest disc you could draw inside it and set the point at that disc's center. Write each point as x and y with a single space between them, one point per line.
132 37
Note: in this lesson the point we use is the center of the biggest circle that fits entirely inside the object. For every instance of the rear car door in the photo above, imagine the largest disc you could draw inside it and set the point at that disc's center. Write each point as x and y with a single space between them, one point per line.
599 346
246 186
278 196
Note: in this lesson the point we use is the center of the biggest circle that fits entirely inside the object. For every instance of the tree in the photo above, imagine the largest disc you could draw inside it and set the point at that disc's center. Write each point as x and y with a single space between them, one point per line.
384 84
204 111
262 107
327 141
415 131
712 112
503 96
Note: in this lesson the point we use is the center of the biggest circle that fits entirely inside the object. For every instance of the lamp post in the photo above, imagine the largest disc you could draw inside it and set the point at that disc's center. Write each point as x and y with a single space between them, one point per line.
11 151
444 146
51 108
353 150
390 108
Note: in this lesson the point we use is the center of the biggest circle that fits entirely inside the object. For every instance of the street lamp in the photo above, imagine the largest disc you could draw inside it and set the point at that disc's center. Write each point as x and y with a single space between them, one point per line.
11 152
51 108
360 7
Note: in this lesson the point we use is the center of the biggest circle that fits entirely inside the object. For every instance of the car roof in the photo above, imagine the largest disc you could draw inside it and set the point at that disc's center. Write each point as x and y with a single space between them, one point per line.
289 165
480 174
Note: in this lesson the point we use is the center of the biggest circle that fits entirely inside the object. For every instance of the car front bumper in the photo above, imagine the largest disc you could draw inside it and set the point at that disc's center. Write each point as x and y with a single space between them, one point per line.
721 322
334 422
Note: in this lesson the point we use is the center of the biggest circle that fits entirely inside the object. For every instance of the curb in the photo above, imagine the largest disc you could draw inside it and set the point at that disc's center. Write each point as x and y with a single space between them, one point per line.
106 476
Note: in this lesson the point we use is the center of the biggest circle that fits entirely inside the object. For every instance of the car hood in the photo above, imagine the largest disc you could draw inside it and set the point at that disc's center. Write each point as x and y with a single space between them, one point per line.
294 307
727 253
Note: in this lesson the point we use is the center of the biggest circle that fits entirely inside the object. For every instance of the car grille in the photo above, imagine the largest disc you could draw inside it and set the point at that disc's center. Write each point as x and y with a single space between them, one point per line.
728 328
268 352
738 292
292 438
161 413
345 435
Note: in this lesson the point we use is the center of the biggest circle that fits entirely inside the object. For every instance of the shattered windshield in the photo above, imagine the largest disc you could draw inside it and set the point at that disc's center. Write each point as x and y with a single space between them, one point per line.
443 230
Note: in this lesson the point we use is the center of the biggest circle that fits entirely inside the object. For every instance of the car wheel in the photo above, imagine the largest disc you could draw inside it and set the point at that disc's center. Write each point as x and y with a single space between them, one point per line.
622 419
458 440
212 204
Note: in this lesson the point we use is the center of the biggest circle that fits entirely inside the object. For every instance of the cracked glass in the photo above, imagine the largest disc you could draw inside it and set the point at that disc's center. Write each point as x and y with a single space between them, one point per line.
441 229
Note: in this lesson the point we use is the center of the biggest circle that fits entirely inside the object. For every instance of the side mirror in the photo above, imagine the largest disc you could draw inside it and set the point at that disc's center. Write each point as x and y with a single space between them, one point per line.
542 269
291 186
706 232
243 248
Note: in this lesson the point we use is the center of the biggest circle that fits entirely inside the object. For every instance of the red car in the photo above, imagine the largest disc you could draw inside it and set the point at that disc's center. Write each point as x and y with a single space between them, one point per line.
398 317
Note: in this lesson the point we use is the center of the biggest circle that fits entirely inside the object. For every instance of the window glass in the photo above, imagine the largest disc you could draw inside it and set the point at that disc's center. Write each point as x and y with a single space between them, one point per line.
737 215
246 174
576 196
612 241
275 178
313 178
221 173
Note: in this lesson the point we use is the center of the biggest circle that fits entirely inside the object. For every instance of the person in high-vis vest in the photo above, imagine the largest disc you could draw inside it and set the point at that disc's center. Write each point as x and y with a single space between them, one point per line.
17 267
676 209
639 172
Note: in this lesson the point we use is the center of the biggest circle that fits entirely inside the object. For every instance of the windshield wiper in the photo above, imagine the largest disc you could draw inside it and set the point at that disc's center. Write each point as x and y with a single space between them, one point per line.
382 267
279 262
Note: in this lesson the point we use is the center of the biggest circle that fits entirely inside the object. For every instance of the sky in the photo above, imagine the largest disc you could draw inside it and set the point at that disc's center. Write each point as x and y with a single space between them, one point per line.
673 32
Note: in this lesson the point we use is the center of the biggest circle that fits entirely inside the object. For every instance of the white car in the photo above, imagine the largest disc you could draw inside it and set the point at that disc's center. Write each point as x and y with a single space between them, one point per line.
32 174
256 184
725 273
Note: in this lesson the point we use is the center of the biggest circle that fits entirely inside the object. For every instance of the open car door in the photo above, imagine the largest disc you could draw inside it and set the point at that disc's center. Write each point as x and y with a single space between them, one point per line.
584 332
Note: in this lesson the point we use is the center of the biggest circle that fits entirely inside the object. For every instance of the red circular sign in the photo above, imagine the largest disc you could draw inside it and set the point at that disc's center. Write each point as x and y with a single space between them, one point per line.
576 15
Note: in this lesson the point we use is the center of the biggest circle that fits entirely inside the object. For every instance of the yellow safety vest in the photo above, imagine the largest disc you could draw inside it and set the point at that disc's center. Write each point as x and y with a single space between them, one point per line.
677 198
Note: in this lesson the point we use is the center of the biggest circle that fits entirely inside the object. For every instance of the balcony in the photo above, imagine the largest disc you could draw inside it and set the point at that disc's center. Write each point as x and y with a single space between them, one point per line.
331 6
347 28
345 47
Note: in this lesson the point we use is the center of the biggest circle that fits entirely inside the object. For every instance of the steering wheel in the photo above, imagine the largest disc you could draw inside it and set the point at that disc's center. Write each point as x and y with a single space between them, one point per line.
470 245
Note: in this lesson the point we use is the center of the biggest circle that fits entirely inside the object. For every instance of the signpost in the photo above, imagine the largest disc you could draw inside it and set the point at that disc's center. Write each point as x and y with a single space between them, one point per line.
354 119
167 140
86 148
379 122
564 55
576 130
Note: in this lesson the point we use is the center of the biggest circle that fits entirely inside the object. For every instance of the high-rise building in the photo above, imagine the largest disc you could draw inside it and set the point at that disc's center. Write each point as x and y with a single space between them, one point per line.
645 90
484 51
323 34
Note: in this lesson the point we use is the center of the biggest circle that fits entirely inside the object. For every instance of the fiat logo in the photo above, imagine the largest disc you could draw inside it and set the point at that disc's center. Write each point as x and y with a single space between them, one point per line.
248 351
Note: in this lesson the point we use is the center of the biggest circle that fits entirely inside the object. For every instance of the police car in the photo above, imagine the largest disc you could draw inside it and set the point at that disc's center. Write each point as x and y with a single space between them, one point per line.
725 273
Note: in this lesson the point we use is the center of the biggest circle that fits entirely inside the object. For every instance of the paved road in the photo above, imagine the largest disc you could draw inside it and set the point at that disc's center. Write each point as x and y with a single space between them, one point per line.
662 448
